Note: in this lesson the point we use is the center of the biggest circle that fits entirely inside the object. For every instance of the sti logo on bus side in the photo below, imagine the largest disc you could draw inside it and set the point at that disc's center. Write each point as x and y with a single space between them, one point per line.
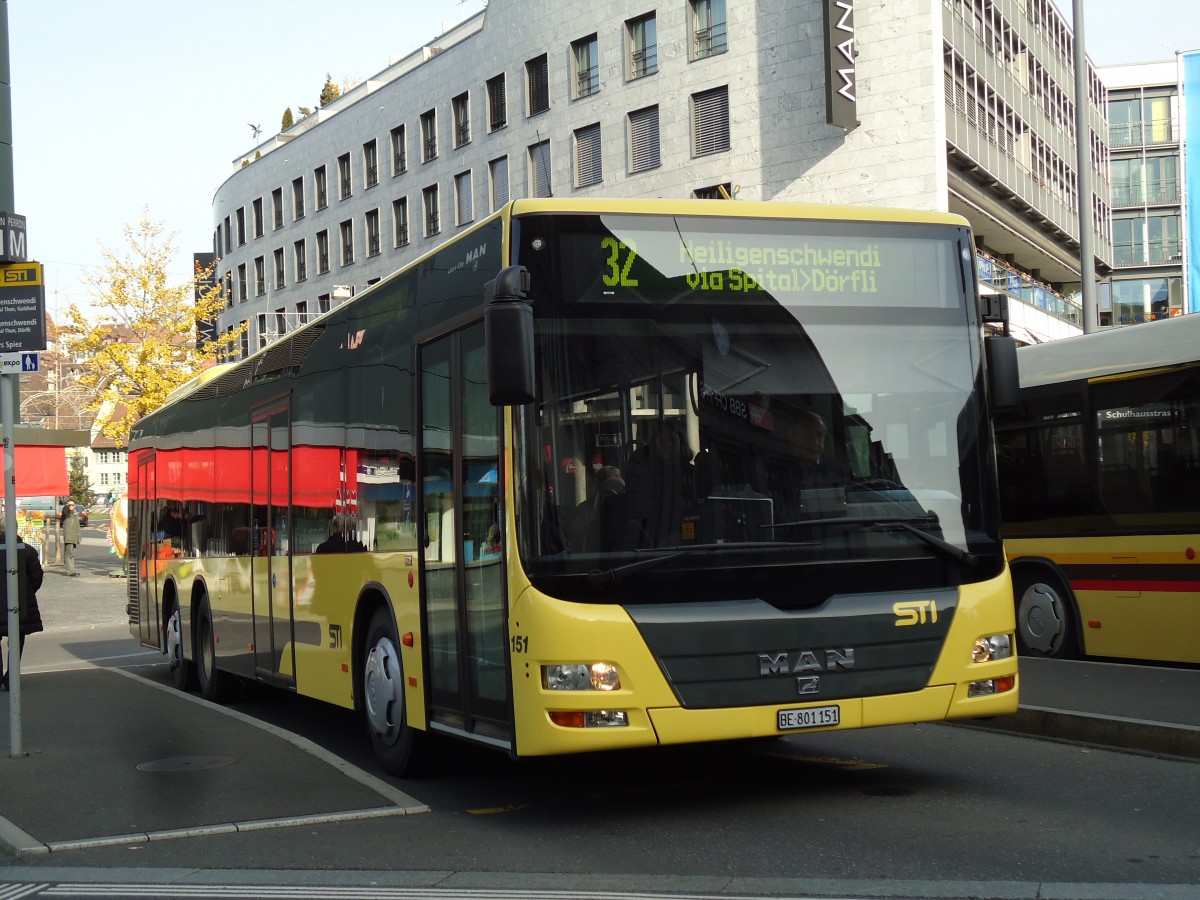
915 612
789 663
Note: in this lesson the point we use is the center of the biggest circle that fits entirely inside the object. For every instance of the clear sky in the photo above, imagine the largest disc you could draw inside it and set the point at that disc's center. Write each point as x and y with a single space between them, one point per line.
126 105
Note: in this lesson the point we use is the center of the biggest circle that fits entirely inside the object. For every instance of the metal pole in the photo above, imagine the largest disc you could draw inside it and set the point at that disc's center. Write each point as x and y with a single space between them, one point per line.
1083 166
8 412
10 569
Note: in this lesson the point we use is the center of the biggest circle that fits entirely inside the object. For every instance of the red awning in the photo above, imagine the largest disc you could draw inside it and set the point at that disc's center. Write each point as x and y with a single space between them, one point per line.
41 471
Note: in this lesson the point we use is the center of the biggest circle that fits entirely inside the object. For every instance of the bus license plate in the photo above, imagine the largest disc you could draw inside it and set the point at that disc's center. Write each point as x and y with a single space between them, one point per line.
812 717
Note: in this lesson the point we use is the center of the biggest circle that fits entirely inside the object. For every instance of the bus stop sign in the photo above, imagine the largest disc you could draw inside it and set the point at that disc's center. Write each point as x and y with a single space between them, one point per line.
22 307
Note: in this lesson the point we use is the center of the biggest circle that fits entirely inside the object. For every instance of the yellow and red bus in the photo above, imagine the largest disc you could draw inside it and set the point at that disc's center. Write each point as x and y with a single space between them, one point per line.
1100 482
397 507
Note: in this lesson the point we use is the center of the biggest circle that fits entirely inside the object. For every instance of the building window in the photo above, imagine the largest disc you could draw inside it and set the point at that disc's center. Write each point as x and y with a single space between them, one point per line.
643 46
280 277
277 207
372 219
259 227
243 293
263 334
585 55
722 191
643 140
228 289
241 225
301 313
429 197
299 260
399 151
710 121
463 207
537 85
498 180
228 236
462 120
321 187
588 167
429 149
370 163
245 325
497 101
708 28
400 221
260 276
322 252
347 232
280 322
344 183
298 199
539 170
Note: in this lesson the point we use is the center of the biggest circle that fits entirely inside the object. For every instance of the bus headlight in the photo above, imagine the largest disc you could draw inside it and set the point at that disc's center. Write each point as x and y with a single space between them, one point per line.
598 676
997 646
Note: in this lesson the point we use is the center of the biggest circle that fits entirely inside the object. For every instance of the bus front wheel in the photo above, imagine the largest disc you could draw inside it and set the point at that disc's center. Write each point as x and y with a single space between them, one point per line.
401 750
1045 616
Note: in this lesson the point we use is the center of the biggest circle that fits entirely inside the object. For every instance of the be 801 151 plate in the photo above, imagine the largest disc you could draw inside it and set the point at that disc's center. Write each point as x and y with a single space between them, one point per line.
810 717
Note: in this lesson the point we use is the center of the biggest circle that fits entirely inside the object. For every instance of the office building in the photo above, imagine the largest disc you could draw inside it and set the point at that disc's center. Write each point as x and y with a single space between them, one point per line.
964 105
1147 196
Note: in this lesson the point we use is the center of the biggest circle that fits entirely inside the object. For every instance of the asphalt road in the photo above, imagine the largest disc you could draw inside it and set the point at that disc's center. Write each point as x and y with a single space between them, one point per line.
899 812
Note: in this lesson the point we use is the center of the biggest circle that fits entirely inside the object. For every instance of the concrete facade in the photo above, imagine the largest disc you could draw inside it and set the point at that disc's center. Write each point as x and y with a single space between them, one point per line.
941 125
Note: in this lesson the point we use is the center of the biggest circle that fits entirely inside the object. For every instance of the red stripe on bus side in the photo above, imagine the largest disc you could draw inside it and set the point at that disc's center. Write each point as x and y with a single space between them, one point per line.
1172 587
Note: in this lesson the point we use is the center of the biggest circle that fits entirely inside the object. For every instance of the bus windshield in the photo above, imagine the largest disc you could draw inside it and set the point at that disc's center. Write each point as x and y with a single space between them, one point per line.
724 408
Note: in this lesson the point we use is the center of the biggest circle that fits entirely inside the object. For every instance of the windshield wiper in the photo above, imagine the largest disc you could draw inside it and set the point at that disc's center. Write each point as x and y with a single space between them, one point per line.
963 556
606 577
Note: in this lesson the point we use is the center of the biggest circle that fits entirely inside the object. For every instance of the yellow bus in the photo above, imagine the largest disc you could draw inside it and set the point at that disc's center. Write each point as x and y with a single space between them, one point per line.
1100 483
539 491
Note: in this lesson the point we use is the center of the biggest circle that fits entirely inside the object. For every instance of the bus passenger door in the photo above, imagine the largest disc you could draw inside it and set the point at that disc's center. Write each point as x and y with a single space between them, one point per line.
271 577
143 527
463 572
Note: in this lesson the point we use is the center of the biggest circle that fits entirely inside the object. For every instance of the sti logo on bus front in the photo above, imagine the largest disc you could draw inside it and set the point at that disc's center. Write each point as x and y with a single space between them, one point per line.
915 612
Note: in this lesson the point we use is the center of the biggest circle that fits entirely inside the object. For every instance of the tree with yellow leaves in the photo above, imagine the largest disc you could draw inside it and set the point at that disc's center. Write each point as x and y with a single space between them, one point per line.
144 342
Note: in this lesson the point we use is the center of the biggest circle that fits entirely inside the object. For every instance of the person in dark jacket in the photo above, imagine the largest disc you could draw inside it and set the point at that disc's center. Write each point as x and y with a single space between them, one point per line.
30 617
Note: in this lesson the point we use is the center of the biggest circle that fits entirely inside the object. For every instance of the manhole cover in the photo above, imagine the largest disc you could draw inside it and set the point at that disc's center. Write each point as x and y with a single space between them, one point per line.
186 764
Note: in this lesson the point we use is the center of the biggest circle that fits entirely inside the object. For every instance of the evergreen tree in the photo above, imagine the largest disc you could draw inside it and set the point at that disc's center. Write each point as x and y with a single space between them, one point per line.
330 92
288 121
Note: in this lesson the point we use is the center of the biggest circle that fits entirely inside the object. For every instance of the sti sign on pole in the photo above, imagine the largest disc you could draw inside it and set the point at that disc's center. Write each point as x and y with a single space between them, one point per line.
22 307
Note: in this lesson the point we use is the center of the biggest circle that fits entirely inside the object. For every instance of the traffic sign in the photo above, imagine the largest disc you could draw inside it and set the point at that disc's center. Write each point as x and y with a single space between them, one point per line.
19 362
22 307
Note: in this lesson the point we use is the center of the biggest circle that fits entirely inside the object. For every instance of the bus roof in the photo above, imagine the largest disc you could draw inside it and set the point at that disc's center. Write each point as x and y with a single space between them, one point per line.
1131 348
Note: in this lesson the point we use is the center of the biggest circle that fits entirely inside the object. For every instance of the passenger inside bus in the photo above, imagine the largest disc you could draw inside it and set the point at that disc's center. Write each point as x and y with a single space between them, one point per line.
341 538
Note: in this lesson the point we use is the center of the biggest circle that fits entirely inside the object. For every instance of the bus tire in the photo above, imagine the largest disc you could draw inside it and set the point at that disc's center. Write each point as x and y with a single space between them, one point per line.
1045 615
183 670
400 749
211 679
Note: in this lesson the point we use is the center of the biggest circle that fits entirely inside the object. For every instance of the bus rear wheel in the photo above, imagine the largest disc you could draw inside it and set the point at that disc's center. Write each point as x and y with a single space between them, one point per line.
212 681
401 750
183 670
1045 616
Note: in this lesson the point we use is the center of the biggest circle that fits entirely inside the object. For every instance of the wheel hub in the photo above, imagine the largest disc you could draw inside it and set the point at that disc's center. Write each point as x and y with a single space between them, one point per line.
383 692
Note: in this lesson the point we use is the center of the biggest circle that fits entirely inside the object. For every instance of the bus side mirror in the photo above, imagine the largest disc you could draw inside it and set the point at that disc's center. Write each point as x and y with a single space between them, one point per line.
1004 383
508 337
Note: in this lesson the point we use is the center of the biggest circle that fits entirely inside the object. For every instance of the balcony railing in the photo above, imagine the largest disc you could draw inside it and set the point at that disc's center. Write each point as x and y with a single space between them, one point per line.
1142 134
644 62
1153 193
711 40
1158 253
587 81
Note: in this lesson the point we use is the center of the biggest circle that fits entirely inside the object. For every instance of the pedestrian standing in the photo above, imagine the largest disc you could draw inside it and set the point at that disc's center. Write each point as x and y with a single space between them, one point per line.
30 619
69 520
